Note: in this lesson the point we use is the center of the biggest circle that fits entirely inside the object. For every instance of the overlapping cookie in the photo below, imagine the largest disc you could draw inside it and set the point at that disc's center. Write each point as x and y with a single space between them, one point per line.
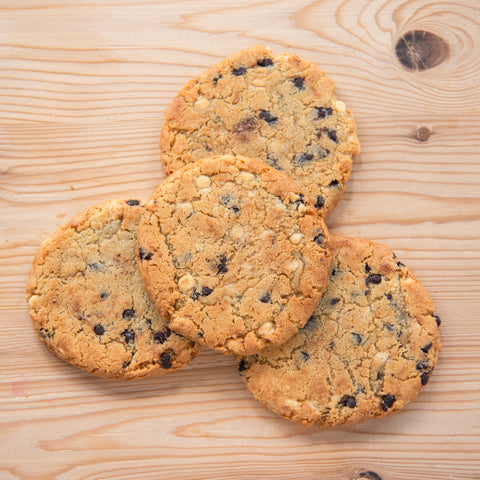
232 254
88 304
281 110
368 349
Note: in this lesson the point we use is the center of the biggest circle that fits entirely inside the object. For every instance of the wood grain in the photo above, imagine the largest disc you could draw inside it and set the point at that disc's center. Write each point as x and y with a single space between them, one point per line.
83 86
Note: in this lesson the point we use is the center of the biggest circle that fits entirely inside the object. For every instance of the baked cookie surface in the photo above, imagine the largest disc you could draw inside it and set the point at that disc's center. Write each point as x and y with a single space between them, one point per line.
232 255
367 350
87 300
281 110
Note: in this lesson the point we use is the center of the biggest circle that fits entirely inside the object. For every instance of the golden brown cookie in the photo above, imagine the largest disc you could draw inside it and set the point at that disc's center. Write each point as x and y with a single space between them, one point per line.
232 254
367 351
281 110
88 304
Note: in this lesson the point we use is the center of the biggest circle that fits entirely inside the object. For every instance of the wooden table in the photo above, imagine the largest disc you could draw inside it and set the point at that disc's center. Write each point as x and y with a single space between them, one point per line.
83 86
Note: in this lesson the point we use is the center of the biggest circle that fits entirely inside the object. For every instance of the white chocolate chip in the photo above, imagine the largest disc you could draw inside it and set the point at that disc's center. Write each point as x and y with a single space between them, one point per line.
202 103
186 282
266 329
296 238
236 232
292 403
203 181
294 265
258 82
246 177
381 357
340 106
185 209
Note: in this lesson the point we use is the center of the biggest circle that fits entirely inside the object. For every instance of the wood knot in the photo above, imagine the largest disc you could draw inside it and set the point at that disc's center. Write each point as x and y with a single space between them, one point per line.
423 134
420 50
367 476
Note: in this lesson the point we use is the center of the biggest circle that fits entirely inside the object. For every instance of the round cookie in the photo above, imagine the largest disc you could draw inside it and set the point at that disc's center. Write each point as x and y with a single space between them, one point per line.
281 110
232 254
87 300
367 350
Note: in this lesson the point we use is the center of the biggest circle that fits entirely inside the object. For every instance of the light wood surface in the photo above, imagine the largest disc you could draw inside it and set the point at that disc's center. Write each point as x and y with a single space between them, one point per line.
83 86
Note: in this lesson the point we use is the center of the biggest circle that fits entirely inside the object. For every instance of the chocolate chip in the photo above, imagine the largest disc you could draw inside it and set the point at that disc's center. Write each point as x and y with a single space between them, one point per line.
166 360
239 71
126 364
367 292
422 365
298 82
242 366
161 336
305 355
356 338
201 292
217 78
104 295
200 334
400 264
319 239
331 345
427 347
334 301
303 158
333 272
132 203
333 183
374 278
323 152
380 374
128 313
311 323
99 329
129 335
437 319
265 62
266 298
389 296
222 268
144 254
348 401
368 475
332 135
273 162
206 291
95 267
245 125
387 401
424 377
300 200
368 269
45 333
320 202
229 201
323 112
268 117
390 328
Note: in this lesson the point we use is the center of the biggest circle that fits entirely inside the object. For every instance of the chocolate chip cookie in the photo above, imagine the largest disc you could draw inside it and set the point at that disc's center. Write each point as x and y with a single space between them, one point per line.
87 300
281 110
232 254
368 349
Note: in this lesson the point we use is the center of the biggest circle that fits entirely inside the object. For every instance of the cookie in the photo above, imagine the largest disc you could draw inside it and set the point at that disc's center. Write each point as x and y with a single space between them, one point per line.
232 254
368 349
87 300
281 110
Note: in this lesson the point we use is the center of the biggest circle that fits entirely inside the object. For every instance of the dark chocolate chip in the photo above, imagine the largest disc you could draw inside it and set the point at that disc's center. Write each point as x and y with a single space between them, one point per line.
380 374
229 201
319 239
104 295
356 338
422 365
266 298
334 301
132 203
242 365
374 278
245 125
300 200
305 355
367 292
129 336
333 272
323 152
331 345
311 323
427 347
144 254
348 401
273 162
368 475
265 62
201 292
400 264
128 313
268 117
390 328
206 291
222 268
320 202
217 78
200 334
45 333
368 269
387 401
437 319
303 158
389 296
161 336
298 82
99 329
332 135
333 183
323 112
239 71
95 267
424 377
126 364
166 360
